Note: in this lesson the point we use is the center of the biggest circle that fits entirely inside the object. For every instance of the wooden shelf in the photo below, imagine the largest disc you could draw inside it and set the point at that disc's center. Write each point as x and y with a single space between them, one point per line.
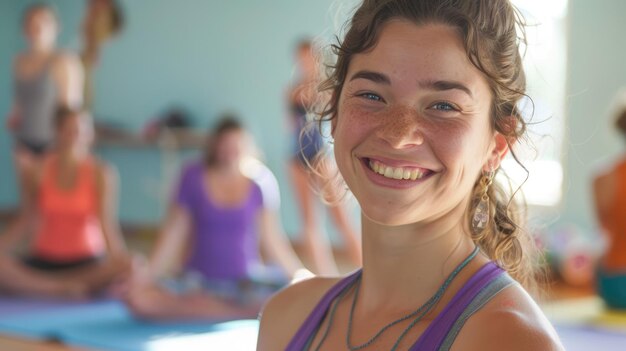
166 139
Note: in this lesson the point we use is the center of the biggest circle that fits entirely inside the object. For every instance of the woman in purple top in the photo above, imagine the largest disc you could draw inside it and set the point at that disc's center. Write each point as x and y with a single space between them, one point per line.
224 209
423 98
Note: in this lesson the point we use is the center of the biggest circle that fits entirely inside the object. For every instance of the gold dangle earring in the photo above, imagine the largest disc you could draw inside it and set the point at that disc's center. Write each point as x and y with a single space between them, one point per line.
482 212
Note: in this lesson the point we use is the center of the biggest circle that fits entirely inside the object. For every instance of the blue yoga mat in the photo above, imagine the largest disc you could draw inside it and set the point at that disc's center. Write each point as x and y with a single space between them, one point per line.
13 306
107 325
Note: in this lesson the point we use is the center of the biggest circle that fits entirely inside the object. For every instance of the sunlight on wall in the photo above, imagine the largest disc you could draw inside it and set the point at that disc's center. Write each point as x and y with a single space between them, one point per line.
543 186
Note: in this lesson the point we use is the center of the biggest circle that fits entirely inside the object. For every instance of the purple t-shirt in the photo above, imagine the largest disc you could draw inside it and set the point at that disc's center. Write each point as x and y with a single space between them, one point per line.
224 242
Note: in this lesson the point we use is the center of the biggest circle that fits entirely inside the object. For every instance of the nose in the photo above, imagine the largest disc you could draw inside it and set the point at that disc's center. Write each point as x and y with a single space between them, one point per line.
401 129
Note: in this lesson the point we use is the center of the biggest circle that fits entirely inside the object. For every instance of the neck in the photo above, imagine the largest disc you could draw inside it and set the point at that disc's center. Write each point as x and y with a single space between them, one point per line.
309 76
231 168
408 263
41 50
71 154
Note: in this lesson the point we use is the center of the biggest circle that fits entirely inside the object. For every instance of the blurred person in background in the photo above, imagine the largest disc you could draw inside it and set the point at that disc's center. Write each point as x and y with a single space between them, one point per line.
223 214
609 191
306 171
77 250
44 77
103 20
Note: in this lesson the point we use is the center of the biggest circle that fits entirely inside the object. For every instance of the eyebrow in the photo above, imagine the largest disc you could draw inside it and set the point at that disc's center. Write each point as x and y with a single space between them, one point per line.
441 85
373 76
438 85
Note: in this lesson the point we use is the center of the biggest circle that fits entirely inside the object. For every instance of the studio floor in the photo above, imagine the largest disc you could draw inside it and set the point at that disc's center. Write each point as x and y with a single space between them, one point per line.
578 315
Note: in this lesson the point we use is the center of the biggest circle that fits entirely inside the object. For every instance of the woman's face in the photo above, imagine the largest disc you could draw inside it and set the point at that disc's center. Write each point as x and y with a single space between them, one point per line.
40 28
412 132
306 60
76 131
230 147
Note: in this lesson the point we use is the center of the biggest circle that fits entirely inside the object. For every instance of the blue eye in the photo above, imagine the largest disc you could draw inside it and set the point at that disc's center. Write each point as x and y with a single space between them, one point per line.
444 106
371 96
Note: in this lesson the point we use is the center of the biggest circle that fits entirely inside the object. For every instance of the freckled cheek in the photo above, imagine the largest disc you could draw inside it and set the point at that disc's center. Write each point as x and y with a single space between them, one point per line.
453 145
354 123
351 130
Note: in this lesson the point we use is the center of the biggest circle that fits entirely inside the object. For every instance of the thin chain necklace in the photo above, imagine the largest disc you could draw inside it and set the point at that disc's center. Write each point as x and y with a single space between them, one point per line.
332 315
419 313
424 309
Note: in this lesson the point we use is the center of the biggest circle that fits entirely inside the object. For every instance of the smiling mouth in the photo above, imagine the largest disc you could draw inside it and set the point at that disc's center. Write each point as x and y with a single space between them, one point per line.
404 173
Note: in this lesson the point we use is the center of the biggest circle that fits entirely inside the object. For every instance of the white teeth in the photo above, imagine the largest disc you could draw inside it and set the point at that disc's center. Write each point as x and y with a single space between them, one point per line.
374 166
388 172
380 169
395 173
406 174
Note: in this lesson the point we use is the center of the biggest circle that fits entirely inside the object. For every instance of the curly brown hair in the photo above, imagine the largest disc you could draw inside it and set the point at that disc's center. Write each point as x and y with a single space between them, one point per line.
492 32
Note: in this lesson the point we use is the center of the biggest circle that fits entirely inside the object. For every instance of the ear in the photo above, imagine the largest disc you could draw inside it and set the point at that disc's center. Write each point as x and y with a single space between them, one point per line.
499 150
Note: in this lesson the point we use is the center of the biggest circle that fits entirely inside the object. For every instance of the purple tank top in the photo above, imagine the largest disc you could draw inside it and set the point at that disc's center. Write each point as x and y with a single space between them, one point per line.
440 334
224 240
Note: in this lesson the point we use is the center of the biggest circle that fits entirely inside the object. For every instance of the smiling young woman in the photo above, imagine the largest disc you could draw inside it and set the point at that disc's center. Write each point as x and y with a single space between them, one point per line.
423 100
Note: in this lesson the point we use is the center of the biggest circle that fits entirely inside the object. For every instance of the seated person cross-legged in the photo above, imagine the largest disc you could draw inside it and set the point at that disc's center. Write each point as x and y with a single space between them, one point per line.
77 249
223 214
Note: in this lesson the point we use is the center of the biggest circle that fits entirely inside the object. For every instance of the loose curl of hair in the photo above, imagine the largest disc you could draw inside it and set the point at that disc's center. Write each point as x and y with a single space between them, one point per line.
492 32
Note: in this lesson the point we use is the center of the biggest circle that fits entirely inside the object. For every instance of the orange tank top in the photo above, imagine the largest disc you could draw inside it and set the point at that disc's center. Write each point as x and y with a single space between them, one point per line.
69 227
615 257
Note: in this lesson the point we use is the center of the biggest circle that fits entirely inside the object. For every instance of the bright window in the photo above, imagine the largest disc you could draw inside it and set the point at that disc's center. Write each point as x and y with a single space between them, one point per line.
545 65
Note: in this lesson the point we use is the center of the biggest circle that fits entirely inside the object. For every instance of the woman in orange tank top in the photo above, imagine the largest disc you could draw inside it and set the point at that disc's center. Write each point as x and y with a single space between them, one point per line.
77 248
609 191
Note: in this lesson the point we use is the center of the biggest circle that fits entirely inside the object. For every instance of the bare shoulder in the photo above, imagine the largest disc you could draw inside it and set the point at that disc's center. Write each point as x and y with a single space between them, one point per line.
510 321
284 313
33 175
102 167
65 57
605 179
105 172
20 64
66 61
604 188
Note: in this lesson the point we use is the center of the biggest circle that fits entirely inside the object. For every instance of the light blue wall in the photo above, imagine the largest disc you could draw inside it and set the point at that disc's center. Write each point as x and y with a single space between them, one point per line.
596 71
206 55
214 55
8 45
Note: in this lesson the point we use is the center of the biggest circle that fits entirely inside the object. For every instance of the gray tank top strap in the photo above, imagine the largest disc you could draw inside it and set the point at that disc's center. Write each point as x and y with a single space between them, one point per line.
485 295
